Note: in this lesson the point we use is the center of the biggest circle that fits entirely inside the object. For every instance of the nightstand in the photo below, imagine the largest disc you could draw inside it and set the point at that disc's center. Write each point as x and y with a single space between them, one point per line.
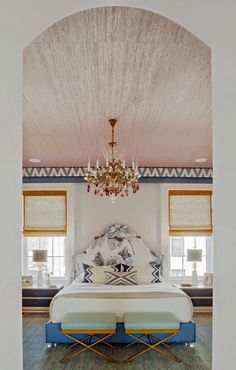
201 297
36 299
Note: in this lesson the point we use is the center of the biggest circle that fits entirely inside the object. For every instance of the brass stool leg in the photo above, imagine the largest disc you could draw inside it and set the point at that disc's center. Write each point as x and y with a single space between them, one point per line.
76 343
87 347
150 347
107 344
134 341
163 343
166 354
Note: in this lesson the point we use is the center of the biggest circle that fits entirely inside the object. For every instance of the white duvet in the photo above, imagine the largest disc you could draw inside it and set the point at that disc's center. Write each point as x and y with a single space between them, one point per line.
83 297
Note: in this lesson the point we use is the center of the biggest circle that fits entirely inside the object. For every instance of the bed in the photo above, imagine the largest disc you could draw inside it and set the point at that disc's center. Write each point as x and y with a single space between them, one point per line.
119 246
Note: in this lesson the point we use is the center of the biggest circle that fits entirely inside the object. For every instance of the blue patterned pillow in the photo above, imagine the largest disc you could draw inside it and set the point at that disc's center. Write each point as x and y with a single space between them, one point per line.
122 267
146 274
150 273
96 274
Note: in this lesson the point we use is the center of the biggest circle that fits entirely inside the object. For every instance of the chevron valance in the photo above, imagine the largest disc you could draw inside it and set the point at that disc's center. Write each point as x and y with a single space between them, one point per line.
148 174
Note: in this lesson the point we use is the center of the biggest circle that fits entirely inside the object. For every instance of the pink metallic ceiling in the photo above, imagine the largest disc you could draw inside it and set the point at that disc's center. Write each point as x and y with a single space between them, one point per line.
147 71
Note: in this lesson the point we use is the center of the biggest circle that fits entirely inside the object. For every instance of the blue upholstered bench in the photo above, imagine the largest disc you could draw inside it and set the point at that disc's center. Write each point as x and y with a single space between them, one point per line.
94 325
141 325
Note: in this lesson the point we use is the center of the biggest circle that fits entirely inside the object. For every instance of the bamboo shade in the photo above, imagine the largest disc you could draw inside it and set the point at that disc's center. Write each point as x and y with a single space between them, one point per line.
45 213
190 212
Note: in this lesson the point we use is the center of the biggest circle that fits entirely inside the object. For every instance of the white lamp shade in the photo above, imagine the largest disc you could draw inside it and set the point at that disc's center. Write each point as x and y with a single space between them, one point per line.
40 255
194 255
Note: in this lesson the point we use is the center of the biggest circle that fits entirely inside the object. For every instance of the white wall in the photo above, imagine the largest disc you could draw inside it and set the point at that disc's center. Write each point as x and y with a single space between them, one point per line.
224 136
10 199
141 211
214 22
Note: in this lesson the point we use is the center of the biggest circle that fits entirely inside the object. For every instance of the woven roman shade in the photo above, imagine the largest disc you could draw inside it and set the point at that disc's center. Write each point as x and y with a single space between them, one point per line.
45 213
190 213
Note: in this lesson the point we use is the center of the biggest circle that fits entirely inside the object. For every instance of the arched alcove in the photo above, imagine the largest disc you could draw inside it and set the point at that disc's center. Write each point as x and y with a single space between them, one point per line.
214 23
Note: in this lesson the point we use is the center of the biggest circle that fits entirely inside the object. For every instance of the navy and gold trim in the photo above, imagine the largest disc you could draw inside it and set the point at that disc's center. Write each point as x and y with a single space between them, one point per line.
148 174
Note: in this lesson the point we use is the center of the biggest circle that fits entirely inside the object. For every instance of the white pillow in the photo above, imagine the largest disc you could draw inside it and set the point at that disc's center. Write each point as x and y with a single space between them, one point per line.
79 278
148 274
77 262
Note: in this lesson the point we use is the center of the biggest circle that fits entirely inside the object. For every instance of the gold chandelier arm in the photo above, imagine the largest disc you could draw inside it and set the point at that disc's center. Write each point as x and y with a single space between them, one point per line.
114 178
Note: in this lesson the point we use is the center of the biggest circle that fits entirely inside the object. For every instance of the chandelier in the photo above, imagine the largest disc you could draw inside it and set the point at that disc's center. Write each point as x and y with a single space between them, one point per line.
114 178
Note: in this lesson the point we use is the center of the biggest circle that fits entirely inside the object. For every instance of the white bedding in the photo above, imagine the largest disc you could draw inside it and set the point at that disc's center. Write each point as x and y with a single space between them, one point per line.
82 297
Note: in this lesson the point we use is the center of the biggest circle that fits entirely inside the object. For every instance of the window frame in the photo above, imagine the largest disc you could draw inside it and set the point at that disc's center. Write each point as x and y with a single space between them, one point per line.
25 259
209 261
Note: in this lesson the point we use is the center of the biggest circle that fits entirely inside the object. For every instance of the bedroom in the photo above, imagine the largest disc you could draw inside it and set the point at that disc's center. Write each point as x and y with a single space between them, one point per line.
78 81
155 190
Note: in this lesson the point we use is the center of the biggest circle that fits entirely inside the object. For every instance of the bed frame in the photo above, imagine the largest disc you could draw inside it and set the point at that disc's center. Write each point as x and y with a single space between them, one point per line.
186 335
143 254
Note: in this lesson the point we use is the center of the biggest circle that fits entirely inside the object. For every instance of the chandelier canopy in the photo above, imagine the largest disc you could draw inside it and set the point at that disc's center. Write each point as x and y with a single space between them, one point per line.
114 178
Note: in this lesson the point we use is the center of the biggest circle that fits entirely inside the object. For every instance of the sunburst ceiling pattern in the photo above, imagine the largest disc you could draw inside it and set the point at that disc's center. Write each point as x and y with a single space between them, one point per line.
140 67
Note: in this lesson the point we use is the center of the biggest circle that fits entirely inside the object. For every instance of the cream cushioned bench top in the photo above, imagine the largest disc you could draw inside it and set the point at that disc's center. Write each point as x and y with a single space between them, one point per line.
150 320
88 321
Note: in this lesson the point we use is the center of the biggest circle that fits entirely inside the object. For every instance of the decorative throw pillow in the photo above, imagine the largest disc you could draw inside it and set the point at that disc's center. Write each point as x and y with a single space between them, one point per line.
78 260
96 274
146 274
149 273
121 278
122 267
77 263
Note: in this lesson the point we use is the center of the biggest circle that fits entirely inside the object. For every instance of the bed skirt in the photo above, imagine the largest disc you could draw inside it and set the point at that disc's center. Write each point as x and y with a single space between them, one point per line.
187 334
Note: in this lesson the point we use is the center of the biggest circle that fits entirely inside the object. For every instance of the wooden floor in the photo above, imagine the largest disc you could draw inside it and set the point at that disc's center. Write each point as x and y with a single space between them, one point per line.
38 357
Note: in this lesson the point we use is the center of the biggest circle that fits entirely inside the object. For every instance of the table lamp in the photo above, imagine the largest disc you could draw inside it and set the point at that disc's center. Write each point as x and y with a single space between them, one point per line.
194 255
40 256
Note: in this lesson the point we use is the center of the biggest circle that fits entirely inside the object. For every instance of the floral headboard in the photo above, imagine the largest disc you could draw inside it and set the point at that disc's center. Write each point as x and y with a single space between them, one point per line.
117 244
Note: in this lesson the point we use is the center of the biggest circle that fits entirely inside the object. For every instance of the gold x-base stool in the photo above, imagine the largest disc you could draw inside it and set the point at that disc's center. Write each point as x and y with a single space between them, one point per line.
152 346
91 334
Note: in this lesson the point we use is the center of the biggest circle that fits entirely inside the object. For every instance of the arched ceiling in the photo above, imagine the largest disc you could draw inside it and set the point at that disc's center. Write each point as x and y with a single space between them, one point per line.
140 67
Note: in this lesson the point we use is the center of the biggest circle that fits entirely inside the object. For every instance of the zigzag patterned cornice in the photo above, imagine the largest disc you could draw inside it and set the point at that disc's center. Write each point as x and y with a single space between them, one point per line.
148 174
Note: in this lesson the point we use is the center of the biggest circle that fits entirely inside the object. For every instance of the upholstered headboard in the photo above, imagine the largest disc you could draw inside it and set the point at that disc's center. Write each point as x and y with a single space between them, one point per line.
117 244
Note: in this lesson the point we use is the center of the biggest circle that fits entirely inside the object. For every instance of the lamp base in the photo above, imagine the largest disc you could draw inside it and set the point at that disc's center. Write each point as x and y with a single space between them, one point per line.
194 278
40 278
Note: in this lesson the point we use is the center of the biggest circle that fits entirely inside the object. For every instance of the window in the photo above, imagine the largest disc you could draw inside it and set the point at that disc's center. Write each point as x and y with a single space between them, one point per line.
180 268
55 246
190 226
45 227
